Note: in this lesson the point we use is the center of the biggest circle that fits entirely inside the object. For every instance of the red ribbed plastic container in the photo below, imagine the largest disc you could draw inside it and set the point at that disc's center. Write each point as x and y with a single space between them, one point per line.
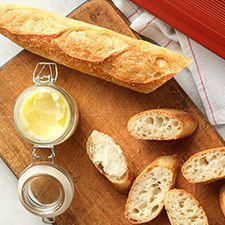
202 20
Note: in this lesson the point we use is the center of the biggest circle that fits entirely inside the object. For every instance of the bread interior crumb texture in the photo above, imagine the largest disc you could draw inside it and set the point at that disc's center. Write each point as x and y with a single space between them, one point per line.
184 209
148 196
207 166
156 126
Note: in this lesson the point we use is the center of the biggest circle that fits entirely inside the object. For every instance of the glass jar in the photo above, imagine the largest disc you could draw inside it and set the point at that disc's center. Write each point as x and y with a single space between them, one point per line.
44 85
44 188
45 115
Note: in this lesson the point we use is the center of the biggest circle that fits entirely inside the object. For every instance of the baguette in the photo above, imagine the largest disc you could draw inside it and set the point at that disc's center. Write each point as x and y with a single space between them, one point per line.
222 199
109 160
205 166
146 197
93 50
161 124
183 209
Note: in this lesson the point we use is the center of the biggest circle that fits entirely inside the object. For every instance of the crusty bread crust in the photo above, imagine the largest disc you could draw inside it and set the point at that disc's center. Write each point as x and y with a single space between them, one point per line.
198 156
186 121
183 193
93 50
222 199
169 162
121 184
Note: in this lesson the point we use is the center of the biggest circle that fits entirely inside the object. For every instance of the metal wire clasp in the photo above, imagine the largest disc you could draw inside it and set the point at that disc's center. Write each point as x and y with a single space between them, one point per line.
36 156
45 72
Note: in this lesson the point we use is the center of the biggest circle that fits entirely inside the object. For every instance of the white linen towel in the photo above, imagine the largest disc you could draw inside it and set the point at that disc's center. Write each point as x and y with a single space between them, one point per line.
207 69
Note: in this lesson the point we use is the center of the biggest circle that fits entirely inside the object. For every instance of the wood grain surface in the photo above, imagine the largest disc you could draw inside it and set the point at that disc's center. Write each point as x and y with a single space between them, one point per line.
105 107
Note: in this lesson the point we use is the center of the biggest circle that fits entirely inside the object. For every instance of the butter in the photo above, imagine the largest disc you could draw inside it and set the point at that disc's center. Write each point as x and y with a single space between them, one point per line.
109 154
44 114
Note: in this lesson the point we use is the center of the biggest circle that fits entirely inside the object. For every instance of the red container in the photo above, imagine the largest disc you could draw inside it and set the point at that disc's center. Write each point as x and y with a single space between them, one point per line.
202 20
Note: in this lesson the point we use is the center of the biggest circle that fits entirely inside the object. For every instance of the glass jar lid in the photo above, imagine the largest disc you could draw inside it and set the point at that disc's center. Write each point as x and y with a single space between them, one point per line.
45 189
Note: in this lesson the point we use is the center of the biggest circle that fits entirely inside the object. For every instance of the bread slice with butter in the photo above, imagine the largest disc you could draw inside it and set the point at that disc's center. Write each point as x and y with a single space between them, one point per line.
109 159
161 124
183 209
205 166
146 197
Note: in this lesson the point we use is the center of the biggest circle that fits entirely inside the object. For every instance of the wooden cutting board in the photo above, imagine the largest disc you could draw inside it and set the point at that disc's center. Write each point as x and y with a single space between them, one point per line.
105 107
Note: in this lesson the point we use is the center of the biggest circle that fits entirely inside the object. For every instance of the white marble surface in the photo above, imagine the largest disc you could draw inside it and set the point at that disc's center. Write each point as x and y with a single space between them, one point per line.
12 212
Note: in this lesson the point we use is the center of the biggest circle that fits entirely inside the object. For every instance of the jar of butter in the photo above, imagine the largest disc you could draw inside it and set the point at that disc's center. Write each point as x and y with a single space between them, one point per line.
45 115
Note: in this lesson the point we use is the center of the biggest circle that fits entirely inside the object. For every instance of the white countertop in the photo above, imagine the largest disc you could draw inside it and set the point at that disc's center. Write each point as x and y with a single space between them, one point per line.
12 212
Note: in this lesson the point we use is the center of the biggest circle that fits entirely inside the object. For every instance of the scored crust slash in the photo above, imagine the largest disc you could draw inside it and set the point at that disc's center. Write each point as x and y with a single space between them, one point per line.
135 64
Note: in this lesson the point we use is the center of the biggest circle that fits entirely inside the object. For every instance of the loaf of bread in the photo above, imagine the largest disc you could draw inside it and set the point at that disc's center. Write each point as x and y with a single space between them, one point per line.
205 166
161 124
183 209
93 50
222 199
109 159
146 197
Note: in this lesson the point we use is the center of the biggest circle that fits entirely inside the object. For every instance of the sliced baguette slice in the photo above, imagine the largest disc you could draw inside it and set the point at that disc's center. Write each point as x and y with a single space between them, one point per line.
222 199
146 197
183 209
205 166
161 124
109 159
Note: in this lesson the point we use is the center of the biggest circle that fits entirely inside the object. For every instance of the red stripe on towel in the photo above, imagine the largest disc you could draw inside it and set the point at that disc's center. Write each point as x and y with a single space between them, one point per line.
201 79
133 7
167 44
150 21
132 14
